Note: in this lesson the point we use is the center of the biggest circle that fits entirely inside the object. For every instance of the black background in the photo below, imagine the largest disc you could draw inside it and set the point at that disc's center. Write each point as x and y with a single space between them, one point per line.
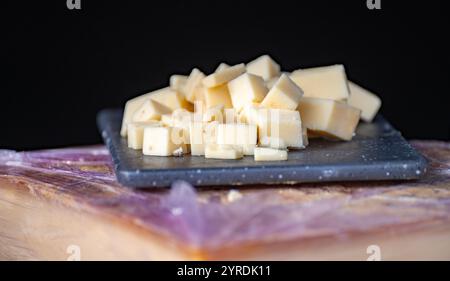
62 66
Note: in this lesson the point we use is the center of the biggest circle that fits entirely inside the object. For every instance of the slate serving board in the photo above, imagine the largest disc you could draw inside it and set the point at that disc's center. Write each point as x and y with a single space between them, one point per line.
377 152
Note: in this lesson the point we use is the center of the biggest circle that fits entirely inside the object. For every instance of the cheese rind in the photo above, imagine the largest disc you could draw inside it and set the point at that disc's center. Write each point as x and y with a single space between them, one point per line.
284 94
246 90
327 82
161 141
136 133
264 66
223 76
150 110
329 118
367 102
217 151
270 154
191 86
217 96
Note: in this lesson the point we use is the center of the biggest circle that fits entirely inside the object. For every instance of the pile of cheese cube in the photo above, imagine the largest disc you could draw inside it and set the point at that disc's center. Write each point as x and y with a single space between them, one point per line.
247 109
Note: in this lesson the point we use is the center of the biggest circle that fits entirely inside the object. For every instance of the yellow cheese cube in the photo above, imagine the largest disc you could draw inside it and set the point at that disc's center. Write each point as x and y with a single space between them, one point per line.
223 76
181 118
162 141
131 107
243 135
271 82
193 81
272 142
270 154
367 102
177 82
166 96
166 120
285 94
215 113
136 133
170 98
199 95
329 118
327 82
264 66
283 124
218 151
150 110
217 96
222 66
249 113
201 133
246 90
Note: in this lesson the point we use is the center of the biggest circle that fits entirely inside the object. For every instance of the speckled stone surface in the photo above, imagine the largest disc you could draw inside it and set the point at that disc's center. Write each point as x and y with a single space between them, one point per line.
377 152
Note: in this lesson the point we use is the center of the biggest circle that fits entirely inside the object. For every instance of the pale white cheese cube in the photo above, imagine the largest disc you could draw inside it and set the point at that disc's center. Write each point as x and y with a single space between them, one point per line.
162 141
284 94
327 82
223 151
270 154
366 101
264 66
246 90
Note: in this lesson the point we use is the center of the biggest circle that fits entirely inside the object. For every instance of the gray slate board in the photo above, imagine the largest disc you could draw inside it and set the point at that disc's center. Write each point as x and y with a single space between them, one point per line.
377 152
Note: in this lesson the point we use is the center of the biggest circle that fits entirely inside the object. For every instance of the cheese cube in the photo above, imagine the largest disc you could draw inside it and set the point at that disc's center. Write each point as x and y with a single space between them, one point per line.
270 154
150 110
181 118
223 76
329 118
166 96
170 98
285 94
327 82
166 120
215 113
217 96
243 135
130 108
271 82
367 102
193 81
264 66
272 142
201 133
246 89
136 133
249 113
283 124
217 151
177 82
162 141
222 66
